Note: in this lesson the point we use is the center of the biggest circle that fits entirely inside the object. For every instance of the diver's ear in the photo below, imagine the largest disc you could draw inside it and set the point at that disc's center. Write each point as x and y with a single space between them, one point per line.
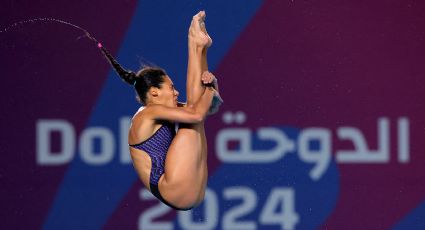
154 92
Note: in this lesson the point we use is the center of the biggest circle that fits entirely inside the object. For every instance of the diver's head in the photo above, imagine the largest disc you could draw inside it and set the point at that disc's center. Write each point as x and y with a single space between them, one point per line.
154 86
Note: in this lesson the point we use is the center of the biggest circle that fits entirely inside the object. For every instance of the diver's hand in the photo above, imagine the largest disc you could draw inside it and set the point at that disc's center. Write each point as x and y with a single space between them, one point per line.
208 79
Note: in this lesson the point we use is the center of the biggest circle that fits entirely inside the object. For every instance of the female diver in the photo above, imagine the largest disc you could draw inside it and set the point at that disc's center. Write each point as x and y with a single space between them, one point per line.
173 165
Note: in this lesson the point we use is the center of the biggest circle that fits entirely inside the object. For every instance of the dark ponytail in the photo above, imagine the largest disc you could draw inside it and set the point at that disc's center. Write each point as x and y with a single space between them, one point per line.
142 81
126 75
145 78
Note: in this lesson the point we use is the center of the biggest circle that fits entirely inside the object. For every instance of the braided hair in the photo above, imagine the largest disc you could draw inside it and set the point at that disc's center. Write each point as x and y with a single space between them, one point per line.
146 78
142 81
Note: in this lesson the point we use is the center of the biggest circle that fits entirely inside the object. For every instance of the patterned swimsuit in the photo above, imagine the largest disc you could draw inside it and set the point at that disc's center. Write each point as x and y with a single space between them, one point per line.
156 147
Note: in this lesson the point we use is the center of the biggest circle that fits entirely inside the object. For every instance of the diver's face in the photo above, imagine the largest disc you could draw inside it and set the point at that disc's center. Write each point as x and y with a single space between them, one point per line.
168 93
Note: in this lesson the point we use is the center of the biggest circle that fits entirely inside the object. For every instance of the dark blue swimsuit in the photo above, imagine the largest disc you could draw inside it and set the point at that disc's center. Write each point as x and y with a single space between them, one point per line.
156 147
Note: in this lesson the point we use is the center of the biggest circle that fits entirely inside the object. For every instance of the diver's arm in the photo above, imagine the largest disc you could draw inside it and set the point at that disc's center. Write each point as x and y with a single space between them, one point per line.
189 114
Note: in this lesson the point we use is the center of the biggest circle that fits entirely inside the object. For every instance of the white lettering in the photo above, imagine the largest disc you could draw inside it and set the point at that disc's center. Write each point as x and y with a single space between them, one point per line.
124 127
44 154
322 156
107 146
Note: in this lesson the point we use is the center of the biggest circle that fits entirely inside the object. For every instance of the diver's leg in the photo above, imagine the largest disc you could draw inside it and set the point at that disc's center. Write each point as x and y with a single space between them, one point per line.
184 175
198 43
194 86
204 165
